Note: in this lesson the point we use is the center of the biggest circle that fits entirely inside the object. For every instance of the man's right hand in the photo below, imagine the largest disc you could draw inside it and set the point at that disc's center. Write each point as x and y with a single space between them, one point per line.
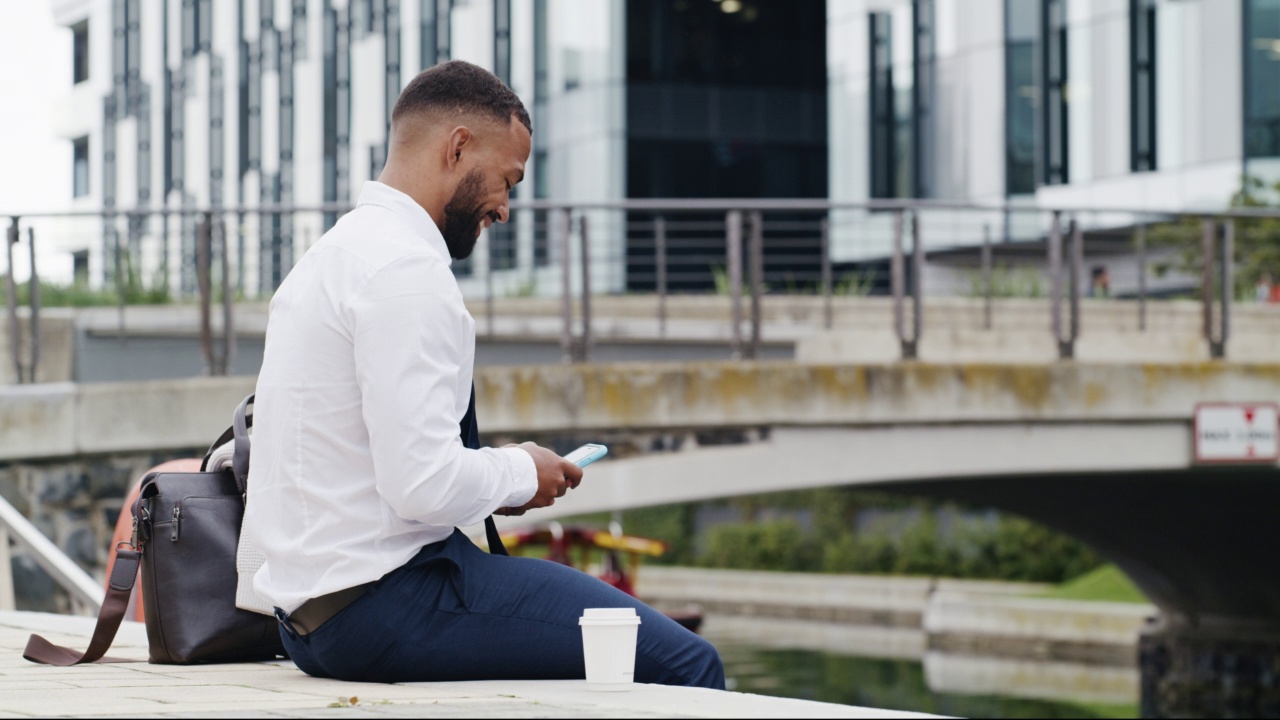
555 477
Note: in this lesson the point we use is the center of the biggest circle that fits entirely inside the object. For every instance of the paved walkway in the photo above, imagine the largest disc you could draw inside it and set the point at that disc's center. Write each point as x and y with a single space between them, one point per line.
280 690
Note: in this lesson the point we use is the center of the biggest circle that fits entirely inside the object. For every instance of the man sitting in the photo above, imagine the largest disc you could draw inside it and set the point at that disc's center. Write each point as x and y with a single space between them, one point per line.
365 453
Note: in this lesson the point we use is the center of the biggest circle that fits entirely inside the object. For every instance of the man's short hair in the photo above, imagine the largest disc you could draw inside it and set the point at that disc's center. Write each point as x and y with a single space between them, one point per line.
458 88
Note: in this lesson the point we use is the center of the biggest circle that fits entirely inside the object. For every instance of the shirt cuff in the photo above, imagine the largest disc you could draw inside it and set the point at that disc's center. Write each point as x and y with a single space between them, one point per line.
524 476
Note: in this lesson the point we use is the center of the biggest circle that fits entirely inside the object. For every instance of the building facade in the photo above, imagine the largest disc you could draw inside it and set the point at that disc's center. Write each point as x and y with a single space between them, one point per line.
1155 104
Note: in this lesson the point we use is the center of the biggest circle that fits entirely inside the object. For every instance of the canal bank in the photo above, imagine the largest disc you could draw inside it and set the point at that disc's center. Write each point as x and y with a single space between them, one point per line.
968 638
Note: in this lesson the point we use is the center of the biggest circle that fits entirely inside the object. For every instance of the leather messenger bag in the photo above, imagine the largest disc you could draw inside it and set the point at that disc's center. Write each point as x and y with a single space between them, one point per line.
186 527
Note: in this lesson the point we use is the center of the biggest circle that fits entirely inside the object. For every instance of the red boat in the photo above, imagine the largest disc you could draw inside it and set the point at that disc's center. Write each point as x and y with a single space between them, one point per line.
564 543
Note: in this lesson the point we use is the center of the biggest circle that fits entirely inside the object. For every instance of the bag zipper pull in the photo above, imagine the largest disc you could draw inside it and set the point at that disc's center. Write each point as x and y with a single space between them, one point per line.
177 519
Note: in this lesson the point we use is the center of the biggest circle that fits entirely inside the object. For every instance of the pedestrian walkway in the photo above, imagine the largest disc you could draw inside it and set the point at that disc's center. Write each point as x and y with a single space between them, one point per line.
278 689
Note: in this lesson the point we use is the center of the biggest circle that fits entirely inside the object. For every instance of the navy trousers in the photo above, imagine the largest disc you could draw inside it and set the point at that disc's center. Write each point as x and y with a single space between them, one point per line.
455 612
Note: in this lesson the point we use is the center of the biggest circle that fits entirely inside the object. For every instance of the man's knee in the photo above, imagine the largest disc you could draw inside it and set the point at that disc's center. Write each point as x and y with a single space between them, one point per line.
707 666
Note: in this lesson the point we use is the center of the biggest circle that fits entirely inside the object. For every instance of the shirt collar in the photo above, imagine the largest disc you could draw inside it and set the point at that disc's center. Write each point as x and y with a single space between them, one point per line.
407 211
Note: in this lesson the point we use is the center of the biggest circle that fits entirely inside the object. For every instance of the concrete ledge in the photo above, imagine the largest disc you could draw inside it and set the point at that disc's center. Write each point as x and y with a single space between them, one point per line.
188 413
1057 630
693 395
894 602
139 689
69 420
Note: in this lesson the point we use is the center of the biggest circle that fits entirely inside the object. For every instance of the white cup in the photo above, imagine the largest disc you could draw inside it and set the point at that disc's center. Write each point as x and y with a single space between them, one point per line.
609 647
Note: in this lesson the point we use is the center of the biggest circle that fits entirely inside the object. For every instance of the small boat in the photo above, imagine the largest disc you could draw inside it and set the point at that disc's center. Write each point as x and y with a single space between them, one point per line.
564 543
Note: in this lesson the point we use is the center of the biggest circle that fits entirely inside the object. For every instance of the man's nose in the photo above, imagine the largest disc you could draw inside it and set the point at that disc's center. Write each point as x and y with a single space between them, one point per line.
504 212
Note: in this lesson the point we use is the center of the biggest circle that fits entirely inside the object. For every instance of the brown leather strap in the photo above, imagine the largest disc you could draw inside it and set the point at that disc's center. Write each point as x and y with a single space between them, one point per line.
123 575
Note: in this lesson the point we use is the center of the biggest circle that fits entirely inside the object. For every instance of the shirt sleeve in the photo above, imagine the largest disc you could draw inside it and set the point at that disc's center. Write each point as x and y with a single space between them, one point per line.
408 328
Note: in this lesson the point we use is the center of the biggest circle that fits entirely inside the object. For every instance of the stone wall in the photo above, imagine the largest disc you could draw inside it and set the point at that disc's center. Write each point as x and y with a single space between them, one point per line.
75 503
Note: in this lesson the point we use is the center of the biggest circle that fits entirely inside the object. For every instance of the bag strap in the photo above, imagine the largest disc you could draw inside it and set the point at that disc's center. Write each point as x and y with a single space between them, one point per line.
240 423
124 573
469 430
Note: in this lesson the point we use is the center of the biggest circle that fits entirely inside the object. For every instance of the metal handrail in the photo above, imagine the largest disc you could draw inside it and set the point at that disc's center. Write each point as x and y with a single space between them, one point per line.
693 205
82 588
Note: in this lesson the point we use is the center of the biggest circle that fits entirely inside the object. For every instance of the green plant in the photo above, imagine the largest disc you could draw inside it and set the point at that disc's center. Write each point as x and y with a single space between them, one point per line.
774 545
855 284
528 287
1007 282
1257 240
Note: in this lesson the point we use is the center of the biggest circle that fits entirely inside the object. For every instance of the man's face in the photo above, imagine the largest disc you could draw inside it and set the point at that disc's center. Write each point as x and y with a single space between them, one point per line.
489 170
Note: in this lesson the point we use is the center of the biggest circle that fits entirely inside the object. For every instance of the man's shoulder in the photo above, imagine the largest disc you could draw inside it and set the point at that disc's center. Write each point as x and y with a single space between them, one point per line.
379 252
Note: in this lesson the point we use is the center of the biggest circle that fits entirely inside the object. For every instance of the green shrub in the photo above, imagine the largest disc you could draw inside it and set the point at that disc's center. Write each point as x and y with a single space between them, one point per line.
773 545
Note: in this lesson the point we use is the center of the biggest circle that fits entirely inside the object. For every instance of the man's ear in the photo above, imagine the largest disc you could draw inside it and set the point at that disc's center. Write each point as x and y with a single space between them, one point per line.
460 141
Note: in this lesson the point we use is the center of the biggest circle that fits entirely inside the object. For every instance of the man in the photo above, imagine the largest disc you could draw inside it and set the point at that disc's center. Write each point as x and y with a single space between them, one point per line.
359 476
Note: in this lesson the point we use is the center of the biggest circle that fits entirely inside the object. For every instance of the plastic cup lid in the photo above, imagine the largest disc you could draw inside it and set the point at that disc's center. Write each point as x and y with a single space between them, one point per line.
609 616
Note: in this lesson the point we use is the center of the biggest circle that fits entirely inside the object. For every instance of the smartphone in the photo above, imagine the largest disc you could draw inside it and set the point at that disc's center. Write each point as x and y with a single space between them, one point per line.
587 454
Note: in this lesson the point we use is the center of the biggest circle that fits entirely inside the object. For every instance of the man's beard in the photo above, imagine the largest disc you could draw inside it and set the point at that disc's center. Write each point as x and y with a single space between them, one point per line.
462 216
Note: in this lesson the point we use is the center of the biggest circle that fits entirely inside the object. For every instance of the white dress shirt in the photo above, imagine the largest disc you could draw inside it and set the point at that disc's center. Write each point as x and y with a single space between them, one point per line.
356 458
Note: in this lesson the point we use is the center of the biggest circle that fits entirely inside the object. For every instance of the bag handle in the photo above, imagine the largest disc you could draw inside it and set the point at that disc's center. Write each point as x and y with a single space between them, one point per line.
241 421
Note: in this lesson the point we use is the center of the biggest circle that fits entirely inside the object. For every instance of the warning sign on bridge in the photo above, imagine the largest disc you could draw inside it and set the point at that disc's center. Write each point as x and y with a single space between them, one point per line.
1237 433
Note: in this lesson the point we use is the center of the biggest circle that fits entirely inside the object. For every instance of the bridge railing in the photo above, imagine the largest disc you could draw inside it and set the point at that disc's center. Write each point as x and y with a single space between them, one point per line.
86 594
750 264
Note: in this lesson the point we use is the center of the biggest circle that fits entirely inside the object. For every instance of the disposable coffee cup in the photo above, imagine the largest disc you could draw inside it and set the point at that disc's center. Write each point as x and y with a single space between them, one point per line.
609 647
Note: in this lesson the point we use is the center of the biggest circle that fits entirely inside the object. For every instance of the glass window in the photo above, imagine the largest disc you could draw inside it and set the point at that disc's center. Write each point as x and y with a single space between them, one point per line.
1142 84
883 107
80 52
922 84
1054 84
502 40
1262 78
1022 28
300 29
80 167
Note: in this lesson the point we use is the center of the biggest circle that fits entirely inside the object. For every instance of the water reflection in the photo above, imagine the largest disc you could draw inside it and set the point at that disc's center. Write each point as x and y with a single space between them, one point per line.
890 669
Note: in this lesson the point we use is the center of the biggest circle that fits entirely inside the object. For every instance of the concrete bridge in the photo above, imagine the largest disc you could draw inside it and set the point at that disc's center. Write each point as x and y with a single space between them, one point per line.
1103 452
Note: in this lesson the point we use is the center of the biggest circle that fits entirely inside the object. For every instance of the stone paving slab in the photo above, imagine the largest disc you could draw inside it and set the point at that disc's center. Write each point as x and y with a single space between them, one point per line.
279 690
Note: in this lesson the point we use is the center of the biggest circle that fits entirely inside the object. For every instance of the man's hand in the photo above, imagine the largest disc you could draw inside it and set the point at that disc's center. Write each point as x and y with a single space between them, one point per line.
555 476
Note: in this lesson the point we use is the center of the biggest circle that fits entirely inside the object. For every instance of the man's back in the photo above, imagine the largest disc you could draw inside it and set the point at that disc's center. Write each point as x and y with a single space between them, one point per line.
335 326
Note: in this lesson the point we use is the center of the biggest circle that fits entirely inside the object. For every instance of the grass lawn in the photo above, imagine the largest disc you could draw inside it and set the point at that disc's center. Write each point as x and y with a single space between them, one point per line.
1107 583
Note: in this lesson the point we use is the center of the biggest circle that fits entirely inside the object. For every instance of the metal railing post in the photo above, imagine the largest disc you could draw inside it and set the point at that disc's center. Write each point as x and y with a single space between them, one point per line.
1207 250
755 276
1228 285
204 285
1055 278
912 351
488 289
11 294
898 279
34 299
122 284
584 347
828 311
986 277
1067 349
1141 241
228 301
733 239
561 216
660 251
